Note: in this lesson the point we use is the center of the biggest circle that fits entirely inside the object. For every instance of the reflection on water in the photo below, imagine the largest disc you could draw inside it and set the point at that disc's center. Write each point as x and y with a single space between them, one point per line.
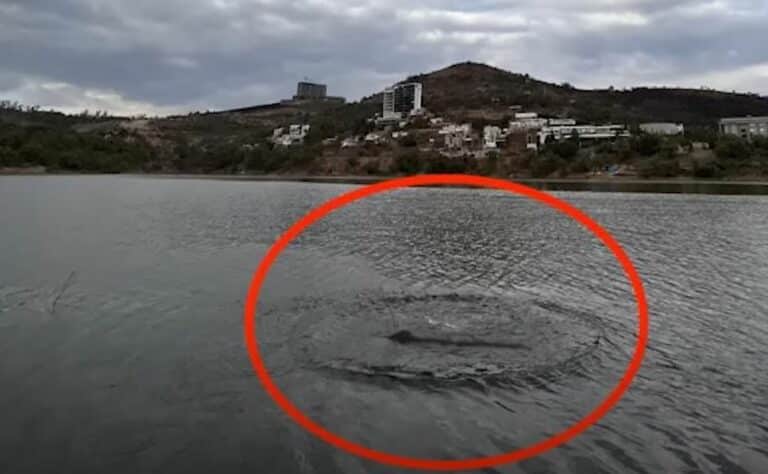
443 323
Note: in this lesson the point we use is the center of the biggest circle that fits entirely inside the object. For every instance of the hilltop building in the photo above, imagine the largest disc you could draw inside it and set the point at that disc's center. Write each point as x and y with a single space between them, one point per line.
402 100
745 127
314 92
310 91
663 128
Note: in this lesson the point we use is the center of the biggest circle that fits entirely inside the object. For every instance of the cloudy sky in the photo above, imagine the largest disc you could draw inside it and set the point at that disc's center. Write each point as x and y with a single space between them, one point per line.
168 56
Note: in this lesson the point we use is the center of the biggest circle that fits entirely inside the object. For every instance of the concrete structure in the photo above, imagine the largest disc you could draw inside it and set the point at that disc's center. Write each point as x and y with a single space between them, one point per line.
491 137
313 92
518 141
584 132
663 128
526 121
388 112
456 137
745 127
295 135
310 91
402 100
555 122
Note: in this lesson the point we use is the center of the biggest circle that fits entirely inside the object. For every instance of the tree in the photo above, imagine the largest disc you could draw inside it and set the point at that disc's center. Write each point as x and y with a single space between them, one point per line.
733 148
408 141
407 162
566 149
647 144
491 163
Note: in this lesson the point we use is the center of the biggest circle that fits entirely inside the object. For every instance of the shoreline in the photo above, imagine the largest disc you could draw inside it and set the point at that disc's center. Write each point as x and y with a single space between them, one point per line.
367 179
745 186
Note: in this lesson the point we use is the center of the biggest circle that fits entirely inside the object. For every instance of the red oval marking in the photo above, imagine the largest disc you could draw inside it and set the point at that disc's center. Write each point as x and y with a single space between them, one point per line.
383 457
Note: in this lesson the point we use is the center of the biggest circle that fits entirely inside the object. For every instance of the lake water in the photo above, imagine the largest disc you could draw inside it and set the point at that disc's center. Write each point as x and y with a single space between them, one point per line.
121 346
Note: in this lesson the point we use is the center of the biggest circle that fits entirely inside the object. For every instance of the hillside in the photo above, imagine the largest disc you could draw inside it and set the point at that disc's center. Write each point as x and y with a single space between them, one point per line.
471 87
238 141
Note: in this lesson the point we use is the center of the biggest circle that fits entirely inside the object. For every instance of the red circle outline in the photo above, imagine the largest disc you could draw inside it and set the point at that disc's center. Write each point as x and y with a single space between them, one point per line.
535 449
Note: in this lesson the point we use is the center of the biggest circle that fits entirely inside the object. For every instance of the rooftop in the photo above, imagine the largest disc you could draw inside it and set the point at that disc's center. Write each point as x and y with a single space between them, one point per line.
746 119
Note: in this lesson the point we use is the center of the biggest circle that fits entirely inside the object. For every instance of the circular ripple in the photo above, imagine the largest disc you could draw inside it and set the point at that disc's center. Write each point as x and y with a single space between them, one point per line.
441 337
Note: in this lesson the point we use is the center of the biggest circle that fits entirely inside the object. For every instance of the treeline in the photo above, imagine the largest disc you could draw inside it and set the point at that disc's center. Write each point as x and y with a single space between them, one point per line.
234 156
699 154
62 149
646 156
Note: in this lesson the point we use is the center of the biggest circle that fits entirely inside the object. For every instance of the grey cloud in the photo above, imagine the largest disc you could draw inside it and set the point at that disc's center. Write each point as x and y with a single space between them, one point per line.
190 54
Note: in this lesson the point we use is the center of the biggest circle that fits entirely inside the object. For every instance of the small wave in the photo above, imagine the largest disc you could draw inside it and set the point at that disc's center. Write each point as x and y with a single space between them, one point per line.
442 338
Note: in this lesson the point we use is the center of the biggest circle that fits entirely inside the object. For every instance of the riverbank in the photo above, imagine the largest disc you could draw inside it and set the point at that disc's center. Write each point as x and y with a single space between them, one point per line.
593 184
368 179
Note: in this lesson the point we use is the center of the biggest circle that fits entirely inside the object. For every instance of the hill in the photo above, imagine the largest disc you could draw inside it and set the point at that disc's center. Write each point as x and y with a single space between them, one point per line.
472 88
238 140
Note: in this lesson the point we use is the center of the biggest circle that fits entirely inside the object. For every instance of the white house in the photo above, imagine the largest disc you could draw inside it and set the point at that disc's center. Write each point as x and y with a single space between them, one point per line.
456 137
295 135
491 136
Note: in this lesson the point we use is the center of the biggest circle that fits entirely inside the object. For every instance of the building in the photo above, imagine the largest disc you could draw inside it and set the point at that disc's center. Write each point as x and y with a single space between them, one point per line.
298 132
518 141
526 121
555 122
491 137
584 132
402 100
295 136
310 91
662 128
456 137
745 127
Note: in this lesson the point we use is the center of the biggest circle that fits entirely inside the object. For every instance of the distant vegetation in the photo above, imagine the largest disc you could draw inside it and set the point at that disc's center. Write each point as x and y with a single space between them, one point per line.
30 137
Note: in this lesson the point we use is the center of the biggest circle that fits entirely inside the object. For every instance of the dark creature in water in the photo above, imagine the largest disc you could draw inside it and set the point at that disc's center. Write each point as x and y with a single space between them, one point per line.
407 337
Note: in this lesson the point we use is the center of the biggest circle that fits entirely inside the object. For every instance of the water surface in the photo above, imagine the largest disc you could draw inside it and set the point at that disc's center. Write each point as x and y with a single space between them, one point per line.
121 346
